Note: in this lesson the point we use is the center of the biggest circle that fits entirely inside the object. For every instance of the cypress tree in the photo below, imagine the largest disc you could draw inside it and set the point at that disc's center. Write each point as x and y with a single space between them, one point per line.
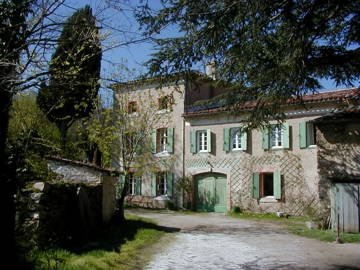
74 72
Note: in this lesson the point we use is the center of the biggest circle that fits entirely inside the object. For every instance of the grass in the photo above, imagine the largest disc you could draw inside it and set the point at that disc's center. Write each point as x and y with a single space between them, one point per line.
323 235
296 225
118 247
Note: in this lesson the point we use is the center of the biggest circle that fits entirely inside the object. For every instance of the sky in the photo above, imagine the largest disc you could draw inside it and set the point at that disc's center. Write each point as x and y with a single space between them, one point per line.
118 27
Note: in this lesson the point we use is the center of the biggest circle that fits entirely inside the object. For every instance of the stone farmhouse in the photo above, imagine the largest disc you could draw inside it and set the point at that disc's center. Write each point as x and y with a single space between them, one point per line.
294 167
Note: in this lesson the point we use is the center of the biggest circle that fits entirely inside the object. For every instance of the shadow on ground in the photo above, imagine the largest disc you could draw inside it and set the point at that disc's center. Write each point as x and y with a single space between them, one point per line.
115 235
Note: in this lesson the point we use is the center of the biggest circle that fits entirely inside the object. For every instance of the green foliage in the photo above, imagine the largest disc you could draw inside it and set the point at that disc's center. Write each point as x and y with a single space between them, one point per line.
323 235
185 184
117 247
268 51
31 137
74 72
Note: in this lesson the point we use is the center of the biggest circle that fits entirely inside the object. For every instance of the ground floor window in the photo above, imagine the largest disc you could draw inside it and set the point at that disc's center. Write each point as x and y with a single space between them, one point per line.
135 185
267 184
162 183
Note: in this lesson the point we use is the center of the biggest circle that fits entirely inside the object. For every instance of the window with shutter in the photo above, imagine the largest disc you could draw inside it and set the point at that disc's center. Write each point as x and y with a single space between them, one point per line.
307 134
267 184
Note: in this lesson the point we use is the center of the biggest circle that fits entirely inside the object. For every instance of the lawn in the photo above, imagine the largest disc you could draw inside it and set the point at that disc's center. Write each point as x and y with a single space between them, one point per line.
296 225
118 247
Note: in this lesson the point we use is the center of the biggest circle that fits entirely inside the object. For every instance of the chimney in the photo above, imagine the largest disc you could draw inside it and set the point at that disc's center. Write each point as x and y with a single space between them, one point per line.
210 70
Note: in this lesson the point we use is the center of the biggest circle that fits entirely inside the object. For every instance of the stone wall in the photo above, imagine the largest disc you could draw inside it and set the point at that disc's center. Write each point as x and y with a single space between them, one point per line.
338 156
297 195
61 213
78 173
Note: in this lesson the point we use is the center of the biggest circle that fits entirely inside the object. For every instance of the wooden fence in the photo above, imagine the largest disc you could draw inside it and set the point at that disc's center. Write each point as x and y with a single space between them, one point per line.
345 207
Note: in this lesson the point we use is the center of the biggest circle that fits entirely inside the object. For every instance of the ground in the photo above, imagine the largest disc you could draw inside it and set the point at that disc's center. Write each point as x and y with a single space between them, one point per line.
217 241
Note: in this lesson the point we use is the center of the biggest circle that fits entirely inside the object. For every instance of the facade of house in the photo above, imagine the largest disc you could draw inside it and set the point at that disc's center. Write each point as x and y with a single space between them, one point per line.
276 169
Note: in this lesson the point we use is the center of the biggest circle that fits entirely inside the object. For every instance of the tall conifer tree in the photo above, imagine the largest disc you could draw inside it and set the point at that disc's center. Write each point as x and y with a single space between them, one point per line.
74 72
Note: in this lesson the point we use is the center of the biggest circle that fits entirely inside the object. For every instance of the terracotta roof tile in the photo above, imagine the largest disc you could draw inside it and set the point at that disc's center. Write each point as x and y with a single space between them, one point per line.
335 95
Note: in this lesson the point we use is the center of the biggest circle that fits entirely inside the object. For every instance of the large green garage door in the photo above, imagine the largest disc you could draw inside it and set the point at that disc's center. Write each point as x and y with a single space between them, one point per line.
211 192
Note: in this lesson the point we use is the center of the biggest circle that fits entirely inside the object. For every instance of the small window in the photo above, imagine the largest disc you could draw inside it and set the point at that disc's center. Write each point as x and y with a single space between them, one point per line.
161 183
132 107
165 103
236 139
266 184
202 141
161 140
276 136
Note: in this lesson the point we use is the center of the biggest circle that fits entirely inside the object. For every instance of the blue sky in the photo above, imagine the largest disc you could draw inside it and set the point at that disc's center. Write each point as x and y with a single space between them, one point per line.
119 26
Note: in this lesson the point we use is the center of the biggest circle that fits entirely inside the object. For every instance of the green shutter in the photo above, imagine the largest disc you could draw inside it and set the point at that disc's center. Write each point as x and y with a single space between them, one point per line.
170 140
243 140
277 185
193 141
226 137
169 183
302 135
265 138
256 186
139 145
208 136
153 140
286 136
138 186
153 184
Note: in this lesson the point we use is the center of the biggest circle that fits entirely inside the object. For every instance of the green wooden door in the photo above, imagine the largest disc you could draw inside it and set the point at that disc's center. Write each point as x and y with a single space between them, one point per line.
211 193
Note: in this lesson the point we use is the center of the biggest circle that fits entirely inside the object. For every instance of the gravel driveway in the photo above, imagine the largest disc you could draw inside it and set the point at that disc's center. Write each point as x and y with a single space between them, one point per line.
216 241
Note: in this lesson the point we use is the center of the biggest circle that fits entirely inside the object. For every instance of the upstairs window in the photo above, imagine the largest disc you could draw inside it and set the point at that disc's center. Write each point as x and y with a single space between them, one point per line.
200 141
276 137
132 107
203 141
162 140
165 102
307 134
234 139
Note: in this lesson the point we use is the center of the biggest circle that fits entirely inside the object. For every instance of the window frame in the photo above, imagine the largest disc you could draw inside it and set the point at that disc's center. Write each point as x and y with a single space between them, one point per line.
202 141
237 133
133 182
277 133
161 176
132 107
161 140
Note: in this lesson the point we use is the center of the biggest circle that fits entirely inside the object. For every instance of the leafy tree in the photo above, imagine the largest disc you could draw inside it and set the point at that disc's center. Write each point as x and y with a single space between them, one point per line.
268 51
31 137
74 72
124 138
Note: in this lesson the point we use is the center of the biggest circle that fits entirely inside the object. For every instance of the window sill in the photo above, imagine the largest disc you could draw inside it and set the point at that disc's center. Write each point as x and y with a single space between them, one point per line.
134 114
237 150
313 146
162 154
268 199
163 111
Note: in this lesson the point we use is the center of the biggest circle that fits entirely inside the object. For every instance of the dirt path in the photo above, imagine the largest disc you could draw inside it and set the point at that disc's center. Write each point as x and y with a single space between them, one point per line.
216 241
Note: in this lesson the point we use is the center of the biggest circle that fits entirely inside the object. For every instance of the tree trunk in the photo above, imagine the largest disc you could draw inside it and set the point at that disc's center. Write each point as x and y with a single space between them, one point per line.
63 127
7 182
120 215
